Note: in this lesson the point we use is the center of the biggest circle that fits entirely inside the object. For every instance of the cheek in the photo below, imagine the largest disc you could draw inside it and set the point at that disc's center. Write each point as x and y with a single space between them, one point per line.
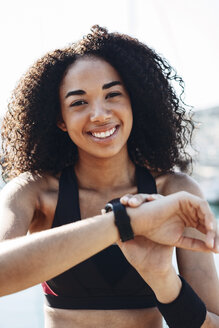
130 118
75 127
73 121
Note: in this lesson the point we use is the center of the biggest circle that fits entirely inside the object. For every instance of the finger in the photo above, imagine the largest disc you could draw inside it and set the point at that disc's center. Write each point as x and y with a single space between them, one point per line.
216 239
138 199
209 219
154 197
210 238
204 216
193 245
124 199
133 200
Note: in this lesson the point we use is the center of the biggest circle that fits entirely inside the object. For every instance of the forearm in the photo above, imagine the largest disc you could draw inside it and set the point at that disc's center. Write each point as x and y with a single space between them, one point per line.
167 288
29 260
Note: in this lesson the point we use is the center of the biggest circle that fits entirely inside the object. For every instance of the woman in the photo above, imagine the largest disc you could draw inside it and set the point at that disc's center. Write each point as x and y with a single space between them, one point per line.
88 124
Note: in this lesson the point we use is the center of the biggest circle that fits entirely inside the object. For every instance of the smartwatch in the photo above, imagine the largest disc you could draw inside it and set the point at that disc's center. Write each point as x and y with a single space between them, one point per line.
122 220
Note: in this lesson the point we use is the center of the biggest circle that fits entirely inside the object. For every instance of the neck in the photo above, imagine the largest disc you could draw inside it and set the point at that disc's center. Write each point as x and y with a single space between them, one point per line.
105 174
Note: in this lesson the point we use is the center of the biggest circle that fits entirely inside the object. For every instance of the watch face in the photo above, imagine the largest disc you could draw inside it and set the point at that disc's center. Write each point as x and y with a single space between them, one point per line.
108 207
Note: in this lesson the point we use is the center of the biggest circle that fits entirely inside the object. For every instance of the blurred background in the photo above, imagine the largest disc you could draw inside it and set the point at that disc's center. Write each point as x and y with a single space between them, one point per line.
184 32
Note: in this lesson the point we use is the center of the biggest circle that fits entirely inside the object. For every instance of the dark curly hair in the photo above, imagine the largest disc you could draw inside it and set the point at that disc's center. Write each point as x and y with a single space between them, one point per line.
31 140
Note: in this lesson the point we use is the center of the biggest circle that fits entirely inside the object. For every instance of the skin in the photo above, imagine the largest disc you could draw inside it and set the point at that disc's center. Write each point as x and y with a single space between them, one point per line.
104 171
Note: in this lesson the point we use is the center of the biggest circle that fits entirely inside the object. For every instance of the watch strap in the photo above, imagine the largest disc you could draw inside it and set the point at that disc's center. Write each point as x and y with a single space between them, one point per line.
122 220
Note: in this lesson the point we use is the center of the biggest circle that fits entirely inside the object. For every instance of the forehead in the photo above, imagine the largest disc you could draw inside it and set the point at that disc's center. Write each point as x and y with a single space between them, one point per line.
89 71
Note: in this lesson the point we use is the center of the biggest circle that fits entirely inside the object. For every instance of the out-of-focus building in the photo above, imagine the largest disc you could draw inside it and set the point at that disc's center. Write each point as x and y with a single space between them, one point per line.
206 169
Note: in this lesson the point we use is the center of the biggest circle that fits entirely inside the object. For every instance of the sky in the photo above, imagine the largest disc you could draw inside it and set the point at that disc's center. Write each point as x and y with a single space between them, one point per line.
185 32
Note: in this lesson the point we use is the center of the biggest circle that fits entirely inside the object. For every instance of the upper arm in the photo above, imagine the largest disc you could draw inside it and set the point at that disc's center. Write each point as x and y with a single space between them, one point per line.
18 201
196 267
200 272
175 182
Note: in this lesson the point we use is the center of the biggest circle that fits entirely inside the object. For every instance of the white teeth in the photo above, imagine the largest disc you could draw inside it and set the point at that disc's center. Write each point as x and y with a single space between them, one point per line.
104 134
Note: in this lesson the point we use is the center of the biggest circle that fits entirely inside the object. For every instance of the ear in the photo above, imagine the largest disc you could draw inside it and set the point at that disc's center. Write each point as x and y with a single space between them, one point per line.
61 125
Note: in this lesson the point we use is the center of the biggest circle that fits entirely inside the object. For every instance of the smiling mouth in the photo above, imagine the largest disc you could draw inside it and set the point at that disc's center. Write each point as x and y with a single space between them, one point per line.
103 135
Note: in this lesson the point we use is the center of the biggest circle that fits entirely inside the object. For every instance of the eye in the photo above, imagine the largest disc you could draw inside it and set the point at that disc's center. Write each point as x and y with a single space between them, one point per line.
78 103
113 94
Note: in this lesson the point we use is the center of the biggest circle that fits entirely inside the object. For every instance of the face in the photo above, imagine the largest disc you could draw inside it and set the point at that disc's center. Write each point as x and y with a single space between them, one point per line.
95 107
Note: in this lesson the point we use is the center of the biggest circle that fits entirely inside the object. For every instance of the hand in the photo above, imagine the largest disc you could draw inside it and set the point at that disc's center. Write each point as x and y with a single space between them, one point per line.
154 263
143 254
138 199
147 256
164 221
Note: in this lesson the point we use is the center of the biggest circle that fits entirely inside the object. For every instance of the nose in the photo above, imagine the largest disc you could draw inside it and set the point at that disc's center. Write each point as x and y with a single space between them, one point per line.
99 113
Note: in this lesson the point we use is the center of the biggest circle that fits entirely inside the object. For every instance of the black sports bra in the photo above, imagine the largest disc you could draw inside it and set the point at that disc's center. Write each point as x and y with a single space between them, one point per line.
106 280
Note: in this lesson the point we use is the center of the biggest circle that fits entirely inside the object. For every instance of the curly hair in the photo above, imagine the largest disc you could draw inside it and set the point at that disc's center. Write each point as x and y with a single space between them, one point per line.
162 128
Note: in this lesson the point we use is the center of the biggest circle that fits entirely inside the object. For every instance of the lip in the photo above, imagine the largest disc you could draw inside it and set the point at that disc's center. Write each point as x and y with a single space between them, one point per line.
106 139
103 128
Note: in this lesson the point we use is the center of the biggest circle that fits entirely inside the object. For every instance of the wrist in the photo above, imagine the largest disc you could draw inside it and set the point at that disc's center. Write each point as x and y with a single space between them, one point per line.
138 217
122 219
166 285
187 310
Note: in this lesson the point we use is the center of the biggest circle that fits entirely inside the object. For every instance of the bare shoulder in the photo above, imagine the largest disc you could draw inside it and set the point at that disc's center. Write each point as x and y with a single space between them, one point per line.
177 181
20 199
26 184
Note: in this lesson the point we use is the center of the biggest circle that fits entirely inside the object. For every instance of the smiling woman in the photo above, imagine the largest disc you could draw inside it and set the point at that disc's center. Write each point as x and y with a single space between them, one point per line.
93 124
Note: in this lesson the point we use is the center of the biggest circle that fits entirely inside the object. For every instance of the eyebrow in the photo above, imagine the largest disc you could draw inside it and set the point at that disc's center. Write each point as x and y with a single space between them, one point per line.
111 84
82 92
75 93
